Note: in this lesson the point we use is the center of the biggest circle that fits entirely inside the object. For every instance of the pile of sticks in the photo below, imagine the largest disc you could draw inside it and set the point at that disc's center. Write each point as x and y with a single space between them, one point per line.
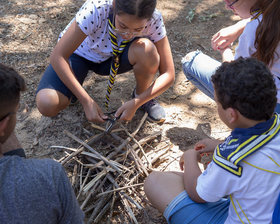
107 171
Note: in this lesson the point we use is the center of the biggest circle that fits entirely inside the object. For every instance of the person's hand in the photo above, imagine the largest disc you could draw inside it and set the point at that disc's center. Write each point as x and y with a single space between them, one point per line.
181 162
190 153
225 37
126 111
207 145
93 112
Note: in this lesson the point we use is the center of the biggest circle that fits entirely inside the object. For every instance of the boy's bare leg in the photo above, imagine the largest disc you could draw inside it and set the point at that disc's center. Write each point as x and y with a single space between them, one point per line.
162 187
11 143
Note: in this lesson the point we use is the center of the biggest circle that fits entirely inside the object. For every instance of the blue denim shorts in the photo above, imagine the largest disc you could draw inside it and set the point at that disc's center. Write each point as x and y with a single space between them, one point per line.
199 68
182 210
81 67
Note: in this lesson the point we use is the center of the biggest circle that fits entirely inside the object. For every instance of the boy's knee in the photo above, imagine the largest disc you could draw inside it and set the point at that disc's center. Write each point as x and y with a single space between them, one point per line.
151 181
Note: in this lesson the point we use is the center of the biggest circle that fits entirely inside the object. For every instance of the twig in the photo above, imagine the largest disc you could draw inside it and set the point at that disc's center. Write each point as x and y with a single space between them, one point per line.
118 149
119 189
138 144
93 151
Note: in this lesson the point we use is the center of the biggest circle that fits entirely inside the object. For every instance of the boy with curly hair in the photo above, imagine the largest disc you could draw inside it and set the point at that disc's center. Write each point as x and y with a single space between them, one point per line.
241 184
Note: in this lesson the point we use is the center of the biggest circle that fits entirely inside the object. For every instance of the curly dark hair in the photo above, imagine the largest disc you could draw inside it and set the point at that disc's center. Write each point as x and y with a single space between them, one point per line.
246 85
11 84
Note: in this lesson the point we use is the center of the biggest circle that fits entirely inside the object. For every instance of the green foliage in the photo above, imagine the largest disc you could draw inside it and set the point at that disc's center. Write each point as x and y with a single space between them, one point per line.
205 18
190 15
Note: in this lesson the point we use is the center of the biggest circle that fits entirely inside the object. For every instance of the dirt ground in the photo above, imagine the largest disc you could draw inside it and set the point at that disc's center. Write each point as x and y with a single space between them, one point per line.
28 33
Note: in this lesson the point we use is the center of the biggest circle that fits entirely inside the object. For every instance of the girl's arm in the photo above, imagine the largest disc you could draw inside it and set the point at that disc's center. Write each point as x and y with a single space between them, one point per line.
65 47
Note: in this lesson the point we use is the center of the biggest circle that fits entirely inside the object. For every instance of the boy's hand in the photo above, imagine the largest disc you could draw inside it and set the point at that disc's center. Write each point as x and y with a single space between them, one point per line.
189 153
181 162
207 145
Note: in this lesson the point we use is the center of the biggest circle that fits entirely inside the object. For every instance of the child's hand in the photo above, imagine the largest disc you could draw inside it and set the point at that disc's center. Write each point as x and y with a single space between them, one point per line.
224 38
191 153
181 162
126 111
207 145
93 112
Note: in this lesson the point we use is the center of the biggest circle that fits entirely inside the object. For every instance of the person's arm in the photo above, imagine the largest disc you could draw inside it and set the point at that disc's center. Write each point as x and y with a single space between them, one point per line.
226 36
70 208
65 47
191 173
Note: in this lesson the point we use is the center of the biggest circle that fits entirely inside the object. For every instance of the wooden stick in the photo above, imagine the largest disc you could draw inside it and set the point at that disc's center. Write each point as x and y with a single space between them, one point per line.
111 209
83 184
94 180
139 161
119 189
118 149
138 144
98 207
93 151
102 212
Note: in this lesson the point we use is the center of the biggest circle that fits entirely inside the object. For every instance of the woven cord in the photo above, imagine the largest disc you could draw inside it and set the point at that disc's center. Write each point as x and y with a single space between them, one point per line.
117 50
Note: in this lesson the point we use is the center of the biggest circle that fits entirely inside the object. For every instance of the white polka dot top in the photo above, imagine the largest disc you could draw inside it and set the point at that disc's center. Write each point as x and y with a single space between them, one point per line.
92 18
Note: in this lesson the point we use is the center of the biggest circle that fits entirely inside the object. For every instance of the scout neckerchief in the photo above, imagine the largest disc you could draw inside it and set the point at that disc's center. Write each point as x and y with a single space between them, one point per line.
255 14
241 144
117 50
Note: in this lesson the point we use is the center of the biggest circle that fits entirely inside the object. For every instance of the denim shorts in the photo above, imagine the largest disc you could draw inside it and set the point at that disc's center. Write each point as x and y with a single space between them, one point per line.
81 67
198 69
182 210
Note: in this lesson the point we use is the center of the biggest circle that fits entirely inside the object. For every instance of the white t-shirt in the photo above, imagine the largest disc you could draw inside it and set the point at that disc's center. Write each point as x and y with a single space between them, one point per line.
246 48
92 18
255 192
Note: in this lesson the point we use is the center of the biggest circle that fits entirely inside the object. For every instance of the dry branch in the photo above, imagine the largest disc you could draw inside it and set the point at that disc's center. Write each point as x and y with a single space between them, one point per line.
108 169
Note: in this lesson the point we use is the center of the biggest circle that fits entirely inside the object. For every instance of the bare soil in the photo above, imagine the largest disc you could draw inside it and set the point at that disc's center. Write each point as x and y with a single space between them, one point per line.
28 32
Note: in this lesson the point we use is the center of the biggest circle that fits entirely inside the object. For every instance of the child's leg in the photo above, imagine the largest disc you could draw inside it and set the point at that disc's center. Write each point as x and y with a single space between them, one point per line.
162 187
52 95
145 59
165 190
198 68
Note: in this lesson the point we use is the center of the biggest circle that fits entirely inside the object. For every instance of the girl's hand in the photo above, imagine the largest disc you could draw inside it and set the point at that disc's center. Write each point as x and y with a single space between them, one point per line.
93 112
226 36
126 111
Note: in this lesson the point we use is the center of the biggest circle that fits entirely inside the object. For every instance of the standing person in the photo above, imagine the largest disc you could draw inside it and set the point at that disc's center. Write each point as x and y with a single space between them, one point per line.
260 39
241 184
109 37
32 190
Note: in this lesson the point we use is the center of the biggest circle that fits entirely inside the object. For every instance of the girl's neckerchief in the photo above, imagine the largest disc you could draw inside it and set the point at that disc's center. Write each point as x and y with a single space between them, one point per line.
117 51
243 143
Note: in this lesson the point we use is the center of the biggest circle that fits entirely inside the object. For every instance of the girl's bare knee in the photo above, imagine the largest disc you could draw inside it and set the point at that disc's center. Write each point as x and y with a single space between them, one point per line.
48 102
146 54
